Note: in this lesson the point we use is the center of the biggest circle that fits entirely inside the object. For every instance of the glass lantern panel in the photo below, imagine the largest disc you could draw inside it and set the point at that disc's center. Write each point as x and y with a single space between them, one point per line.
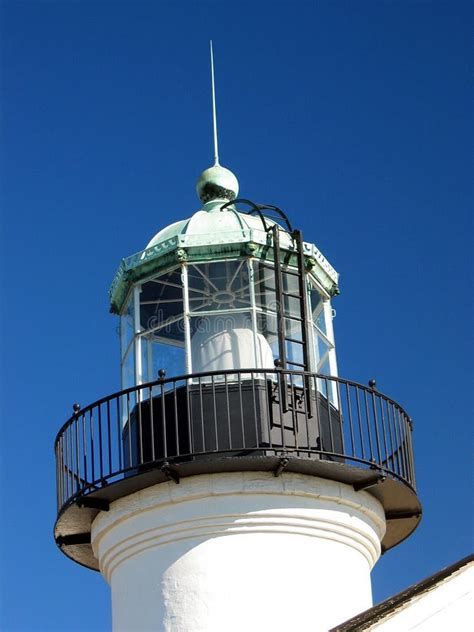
128 369
317 309
291 306
265 292
293 329
160 354
218 286
161 305
127 327
294 355
291 283
267 327
322 351
222 342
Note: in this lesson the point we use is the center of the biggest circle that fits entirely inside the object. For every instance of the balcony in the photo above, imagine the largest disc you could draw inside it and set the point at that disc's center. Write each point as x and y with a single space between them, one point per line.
238 420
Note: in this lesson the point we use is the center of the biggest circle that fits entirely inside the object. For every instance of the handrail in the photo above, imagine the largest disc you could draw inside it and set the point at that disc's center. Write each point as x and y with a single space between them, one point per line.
232 413
189 376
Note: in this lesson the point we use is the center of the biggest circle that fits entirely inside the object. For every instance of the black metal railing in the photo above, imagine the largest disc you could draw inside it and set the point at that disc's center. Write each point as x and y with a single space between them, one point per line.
231 414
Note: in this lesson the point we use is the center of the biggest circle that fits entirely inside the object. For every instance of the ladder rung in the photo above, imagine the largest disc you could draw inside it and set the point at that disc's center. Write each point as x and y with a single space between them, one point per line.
298 296
300 320
300 342
295 364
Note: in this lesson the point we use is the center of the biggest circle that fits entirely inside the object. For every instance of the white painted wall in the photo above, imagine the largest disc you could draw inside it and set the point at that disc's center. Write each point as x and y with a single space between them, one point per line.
239 552
448 606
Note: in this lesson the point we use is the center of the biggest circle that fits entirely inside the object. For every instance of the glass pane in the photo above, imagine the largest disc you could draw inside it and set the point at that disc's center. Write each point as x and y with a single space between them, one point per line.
126 326
293 329
220 285
294 354
265 294
324 368
220 342
320 322
325 385
128 370
317 310
161 304
267 327
322 349
171 358
291 283
292 306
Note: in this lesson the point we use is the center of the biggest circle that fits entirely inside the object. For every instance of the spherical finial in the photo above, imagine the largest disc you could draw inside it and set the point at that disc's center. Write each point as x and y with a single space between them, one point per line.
217 183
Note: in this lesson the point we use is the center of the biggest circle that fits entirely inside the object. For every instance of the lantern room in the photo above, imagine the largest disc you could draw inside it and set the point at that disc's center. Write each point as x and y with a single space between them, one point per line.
233 287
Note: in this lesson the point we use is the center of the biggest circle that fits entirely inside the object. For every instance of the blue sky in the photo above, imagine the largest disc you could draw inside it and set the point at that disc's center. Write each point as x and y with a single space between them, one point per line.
355 118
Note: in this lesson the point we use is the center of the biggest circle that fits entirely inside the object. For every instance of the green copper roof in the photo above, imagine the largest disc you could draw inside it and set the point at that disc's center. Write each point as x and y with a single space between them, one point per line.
211 234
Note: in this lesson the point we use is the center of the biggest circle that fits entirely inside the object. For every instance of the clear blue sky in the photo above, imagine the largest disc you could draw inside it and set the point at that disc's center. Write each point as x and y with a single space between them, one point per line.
354 117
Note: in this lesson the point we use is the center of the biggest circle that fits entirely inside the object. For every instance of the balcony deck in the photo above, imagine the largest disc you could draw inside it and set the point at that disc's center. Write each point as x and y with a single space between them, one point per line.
246 420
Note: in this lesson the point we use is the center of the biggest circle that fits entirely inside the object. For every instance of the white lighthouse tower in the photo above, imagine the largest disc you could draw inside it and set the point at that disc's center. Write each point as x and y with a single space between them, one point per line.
236 482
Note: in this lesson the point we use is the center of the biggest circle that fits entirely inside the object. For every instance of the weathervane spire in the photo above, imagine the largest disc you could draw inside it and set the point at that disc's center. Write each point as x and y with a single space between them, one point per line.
214 115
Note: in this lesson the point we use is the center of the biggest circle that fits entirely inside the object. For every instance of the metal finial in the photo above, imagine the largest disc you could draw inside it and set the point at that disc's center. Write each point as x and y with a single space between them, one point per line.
214 114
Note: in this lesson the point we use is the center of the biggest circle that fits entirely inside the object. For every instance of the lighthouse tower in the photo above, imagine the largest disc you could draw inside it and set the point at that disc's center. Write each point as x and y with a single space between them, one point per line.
236 481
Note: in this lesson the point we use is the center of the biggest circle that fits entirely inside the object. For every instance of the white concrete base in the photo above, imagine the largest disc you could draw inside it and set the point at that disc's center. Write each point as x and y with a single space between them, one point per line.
239 552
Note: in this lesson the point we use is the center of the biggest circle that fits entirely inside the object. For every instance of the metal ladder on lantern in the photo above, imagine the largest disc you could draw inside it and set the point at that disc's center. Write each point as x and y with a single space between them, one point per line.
283 296
286 316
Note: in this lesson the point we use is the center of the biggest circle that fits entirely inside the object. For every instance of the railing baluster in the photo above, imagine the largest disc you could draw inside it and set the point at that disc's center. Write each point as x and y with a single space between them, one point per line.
163 420
152 422
367 418
293 411
331 433
138 396
255 419
241 409
349 412
119 434
176 425
268 393
91 437
308 408
376 428
359 419
214 407
78 474
384 430
109 438
403 439
84 445
341 416
319 429
190 421
410 451
130 433
282 405
400 471
101 451
229 429
203 436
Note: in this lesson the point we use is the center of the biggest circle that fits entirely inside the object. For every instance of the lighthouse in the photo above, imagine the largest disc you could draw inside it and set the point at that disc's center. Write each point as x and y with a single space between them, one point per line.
235 481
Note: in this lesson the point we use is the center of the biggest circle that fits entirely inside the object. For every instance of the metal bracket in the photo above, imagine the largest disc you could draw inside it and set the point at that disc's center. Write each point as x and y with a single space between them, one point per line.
284 460
75 538
401 515
93 503
370 482
171 475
